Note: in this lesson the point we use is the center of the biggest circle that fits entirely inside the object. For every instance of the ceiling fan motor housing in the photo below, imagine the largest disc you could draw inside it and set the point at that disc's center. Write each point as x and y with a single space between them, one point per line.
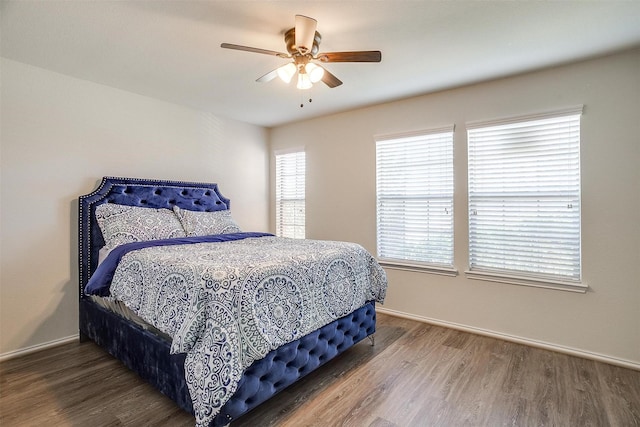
290 40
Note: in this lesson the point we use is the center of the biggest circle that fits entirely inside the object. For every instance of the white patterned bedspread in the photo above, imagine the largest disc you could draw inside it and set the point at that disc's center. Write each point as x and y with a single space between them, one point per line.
228 304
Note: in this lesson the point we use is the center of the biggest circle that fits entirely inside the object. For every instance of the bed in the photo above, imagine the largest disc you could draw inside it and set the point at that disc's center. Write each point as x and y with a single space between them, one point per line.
284 341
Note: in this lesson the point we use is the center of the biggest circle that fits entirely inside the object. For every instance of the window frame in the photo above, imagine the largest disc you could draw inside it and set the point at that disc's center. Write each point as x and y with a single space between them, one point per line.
408 263
522 277
297 188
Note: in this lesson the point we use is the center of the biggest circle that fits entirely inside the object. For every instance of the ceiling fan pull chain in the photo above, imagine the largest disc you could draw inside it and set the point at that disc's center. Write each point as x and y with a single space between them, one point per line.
302 102
301 96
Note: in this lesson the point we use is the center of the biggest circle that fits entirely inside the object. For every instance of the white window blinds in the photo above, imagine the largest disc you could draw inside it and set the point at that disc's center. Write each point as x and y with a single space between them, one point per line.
414 177
524 197
290 195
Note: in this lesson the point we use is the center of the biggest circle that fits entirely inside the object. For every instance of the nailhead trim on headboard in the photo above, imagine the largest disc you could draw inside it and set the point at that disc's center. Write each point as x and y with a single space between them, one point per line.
152 193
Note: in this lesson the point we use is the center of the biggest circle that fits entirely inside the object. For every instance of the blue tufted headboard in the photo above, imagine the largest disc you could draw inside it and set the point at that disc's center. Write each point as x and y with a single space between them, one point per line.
137 192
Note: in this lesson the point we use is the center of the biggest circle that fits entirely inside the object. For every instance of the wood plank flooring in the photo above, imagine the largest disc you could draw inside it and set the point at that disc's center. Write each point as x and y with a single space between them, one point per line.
415 375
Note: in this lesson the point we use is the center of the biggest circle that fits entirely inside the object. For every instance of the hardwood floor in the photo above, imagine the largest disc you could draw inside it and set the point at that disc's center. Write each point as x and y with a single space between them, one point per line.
415 375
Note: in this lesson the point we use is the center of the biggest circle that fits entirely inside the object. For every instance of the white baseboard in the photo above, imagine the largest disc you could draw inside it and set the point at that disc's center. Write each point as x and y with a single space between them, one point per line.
471 329
520 340
38 347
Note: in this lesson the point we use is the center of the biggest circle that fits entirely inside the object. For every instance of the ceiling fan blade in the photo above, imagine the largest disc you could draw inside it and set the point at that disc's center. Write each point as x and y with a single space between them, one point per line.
358 56
305 33
268 77
254 50
330 80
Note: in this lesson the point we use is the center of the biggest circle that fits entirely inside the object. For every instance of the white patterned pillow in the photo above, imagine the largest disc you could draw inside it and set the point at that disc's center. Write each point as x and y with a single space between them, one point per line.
206 223
125 224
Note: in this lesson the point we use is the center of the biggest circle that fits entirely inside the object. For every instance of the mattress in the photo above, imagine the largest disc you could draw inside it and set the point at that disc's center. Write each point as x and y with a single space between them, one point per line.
119 308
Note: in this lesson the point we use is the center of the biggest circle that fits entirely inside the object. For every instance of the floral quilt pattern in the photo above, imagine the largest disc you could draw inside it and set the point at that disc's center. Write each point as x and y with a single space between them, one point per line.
227 304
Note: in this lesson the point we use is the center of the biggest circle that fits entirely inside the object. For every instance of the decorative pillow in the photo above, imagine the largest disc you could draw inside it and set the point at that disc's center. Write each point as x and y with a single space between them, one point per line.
206 223
125 224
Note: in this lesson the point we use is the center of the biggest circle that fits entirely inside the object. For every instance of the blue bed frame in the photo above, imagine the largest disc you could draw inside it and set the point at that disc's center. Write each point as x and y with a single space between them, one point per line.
148 354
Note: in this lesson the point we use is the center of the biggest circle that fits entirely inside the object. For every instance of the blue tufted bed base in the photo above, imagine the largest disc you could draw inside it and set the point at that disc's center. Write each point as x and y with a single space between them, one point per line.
148 354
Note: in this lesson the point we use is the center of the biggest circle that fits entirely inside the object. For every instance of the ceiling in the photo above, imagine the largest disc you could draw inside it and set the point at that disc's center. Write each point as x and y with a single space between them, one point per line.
170 50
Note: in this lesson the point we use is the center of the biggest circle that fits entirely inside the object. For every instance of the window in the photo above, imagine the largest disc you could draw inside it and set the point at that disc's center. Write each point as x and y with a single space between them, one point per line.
415 200
524 200
290 177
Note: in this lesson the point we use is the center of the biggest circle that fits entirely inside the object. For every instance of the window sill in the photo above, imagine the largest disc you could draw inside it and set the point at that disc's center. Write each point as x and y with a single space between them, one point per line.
528 281
420 268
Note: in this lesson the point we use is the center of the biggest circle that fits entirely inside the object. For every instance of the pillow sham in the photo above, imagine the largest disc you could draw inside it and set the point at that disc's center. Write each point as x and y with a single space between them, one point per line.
125 224
206 223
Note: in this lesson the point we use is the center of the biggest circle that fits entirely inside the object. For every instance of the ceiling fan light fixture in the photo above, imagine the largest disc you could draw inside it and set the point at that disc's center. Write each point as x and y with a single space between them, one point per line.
303 44
286 72
304 82
314 72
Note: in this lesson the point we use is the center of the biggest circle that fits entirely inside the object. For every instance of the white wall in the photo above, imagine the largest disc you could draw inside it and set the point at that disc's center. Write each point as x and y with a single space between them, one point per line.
605 322
59 136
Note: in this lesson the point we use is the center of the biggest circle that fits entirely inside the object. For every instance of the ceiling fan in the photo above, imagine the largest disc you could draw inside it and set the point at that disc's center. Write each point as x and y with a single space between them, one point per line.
303 43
